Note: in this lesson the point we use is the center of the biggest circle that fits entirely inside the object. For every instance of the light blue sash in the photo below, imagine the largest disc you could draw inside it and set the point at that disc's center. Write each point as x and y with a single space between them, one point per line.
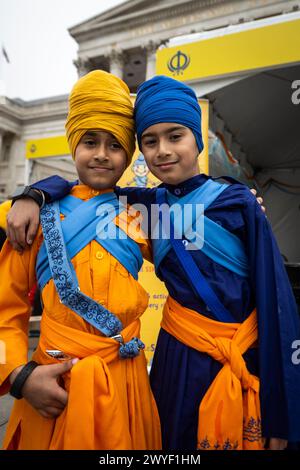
89 220
218 243
66 282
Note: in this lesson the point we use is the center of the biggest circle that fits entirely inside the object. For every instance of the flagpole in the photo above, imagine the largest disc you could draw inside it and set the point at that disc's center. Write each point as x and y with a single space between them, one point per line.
2 82
4 60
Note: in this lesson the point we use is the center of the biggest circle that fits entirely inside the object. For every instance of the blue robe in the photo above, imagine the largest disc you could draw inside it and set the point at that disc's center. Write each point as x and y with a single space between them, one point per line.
180 376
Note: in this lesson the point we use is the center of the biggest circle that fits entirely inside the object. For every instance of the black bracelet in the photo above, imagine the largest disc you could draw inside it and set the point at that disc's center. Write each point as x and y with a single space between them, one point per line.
36 194
18 383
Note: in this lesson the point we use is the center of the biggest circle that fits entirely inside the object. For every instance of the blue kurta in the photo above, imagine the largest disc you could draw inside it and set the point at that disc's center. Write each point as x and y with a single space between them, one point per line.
180 376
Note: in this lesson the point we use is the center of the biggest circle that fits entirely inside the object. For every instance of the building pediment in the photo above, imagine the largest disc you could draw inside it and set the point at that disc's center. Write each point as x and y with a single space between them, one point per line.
126 8
136 10
130 7
116 14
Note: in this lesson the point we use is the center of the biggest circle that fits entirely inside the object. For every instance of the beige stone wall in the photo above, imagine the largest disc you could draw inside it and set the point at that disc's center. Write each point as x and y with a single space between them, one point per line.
21 121
112 37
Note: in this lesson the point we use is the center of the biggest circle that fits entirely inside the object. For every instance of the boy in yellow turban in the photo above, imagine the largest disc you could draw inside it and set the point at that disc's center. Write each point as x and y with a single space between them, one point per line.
87 385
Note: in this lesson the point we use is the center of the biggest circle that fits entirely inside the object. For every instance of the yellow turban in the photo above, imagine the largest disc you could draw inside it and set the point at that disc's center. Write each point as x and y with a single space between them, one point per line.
4 209
99 100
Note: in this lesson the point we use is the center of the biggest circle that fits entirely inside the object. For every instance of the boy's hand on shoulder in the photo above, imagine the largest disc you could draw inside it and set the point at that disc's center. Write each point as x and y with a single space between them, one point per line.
259 200
42 389
22 223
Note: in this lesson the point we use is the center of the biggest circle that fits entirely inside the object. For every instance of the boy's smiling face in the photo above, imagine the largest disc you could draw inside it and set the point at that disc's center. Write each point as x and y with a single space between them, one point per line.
100 160
171 152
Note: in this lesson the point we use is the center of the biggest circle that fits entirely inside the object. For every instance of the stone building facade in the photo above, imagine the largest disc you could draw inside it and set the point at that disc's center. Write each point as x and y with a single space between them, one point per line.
123 40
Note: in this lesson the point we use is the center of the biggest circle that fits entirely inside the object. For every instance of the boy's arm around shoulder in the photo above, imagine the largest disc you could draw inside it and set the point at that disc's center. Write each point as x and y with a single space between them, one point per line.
17 276
22 223
135 195
41 389
267 270
23 218
54 187
278 327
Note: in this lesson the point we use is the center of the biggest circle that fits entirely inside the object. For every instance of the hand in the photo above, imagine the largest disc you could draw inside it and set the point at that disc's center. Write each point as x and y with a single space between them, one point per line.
43 391
22 223
277 444
259 199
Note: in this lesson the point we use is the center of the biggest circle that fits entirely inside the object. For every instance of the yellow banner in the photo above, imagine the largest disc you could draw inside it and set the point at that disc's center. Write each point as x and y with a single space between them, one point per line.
47 147
138 175
258 48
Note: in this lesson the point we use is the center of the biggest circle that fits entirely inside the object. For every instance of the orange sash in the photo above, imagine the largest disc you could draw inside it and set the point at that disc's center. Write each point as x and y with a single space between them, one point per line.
98 415
229 413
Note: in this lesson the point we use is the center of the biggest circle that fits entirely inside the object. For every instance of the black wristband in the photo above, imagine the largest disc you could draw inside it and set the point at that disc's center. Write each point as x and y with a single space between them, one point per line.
36 194
17 385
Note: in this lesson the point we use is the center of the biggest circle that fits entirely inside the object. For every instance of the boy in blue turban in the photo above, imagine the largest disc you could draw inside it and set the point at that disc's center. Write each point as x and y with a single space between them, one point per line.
224 374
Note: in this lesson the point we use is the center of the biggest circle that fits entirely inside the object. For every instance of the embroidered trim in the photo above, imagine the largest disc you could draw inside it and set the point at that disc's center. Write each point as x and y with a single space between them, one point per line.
228 445
252 430
65 278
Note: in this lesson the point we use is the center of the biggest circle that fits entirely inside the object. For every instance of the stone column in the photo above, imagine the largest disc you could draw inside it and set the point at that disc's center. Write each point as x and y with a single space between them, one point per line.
151 49
117 61
1 141
83 66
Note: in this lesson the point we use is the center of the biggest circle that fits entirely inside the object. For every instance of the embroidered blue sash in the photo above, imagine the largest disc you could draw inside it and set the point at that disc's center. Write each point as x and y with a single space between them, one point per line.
219 244
66 283
89 220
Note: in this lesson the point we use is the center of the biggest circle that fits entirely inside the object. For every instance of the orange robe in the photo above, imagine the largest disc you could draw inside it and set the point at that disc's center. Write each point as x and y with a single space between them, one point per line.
231 405
110 404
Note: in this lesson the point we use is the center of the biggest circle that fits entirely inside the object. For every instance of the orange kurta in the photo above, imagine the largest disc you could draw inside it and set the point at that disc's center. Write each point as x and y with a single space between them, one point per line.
110 404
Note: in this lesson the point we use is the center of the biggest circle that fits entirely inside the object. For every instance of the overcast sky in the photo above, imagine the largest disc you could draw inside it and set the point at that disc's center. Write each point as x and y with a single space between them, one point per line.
41 52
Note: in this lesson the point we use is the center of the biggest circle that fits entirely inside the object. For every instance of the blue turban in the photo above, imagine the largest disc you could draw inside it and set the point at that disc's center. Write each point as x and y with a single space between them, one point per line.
163 99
